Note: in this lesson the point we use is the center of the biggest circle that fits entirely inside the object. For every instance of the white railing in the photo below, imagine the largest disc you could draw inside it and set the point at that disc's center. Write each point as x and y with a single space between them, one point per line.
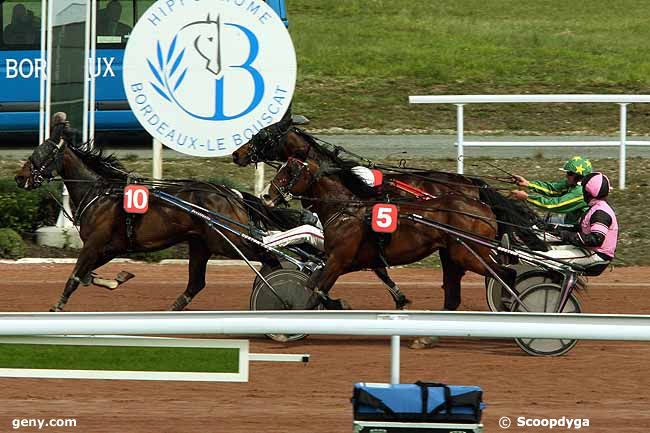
377 323
461 100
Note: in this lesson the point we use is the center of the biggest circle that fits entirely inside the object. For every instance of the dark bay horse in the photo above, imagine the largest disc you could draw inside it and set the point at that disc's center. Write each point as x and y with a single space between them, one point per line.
352 245
281 141
96 182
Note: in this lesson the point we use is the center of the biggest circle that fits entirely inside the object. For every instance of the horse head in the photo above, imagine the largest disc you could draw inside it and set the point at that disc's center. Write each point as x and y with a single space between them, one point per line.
207 42
293 178
260 148
276 142
42 165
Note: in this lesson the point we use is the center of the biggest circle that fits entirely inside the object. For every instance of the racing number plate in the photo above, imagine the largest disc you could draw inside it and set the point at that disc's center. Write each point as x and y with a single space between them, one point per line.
384 218
136 199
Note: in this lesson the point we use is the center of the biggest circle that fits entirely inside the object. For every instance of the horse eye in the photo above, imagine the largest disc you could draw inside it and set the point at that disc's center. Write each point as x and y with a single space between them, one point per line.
211 39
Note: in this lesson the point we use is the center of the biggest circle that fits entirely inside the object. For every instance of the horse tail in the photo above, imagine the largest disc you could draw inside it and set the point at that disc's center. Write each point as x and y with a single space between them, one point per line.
513 217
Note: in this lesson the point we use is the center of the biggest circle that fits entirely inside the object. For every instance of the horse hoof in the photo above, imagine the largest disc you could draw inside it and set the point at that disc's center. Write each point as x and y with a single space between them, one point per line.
55 309
402 302
181 302
124 276
313 302
424 343
344 305
280 338
336 304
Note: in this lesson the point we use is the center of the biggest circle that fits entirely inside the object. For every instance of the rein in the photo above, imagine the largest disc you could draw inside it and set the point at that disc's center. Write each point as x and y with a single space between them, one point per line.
414 203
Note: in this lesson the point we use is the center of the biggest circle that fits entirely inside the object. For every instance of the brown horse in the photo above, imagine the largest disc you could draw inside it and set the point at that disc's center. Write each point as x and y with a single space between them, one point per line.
96 182
281 141
351 245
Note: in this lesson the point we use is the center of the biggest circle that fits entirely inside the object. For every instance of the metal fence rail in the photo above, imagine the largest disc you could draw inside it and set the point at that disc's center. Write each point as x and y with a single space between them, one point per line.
406 323
461 100
377 323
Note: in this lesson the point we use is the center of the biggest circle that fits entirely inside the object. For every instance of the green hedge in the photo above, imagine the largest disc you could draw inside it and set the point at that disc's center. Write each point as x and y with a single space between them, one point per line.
25 211
11 244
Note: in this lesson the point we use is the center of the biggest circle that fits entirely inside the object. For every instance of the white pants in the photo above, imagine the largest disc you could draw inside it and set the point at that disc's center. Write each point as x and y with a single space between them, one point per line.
573 254
297 235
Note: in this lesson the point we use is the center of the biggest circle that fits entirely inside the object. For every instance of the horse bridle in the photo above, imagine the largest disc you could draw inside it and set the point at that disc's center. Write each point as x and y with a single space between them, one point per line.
38 170
266 143
285 191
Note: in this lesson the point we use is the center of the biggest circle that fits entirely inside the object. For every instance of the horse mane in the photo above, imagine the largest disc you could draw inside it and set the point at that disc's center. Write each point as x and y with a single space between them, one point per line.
331 155
513 217
335 165
270 218
105 165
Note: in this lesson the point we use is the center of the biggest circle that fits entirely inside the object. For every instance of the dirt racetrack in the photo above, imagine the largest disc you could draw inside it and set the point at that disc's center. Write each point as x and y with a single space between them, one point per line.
607 383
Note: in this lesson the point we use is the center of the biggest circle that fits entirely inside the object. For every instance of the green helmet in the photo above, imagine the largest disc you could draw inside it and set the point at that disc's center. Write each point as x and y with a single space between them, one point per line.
578 165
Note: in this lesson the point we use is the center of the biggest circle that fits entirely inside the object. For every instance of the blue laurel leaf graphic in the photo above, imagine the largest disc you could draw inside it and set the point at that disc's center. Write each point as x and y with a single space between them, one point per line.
160 91
160 56
177 62
172 47
155 72
180 79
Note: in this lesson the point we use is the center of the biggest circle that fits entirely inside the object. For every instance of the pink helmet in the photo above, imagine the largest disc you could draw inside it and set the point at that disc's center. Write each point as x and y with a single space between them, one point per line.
595 185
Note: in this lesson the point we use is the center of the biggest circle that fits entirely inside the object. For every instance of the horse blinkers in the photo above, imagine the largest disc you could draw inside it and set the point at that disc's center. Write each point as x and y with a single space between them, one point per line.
284 183
41 165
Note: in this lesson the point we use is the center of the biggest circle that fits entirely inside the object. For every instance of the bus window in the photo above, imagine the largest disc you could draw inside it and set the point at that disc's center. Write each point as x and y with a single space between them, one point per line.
114 21
21 24
141 7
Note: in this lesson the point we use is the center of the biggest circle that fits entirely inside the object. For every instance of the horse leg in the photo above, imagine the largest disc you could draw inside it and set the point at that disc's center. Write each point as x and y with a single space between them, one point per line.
322 281
452 274
400 298
92 256
199 256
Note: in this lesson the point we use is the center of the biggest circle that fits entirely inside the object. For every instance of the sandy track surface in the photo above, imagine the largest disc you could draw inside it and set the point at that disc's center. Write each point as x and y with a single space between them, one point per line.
606 382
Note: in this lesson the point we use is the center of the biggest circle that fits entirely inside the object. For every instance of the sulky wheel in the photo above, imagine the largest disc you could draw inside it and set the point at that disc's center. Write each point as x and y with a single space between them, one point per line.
545 298
527 276
291 293
266 269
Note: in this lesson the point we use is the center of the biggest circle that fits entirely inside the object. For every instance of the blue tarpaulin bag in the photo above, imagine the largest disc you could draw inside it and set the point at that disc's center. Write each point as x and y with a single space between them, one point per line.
419 402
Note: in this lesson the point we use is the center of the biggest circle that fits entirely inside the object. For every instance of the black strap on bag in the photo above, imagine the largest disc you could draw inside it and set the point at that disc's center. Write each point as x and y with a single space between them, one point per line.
361 396
424 389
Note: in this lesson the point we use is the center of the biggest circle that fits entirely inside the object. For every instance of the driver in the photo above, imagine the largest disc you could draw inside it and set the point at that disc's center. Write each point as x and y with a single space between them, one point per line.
561 197
594 238
310 232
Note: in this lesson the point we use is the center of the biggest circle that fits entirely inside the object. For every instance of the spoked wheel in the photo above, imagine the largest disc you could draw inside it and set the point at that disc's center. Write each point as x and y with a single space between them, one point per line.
545 298
498 298
291 293
266 269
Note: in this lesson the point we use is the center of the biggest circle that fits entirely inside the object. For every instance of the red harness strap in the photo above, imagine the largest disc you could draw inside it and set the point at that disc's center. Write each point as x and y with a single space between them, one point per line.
410 189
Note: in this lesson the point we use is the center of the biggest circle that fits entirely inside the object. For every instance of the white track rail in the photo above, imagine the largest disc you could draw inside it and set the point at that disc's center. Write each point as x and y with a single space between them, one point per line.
378 323
371 323
461 100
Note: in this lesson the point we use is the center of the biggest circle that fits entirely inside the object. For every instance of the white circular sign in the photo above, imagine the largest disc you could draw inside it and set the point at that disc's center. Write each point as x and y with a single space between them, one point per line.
204 76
